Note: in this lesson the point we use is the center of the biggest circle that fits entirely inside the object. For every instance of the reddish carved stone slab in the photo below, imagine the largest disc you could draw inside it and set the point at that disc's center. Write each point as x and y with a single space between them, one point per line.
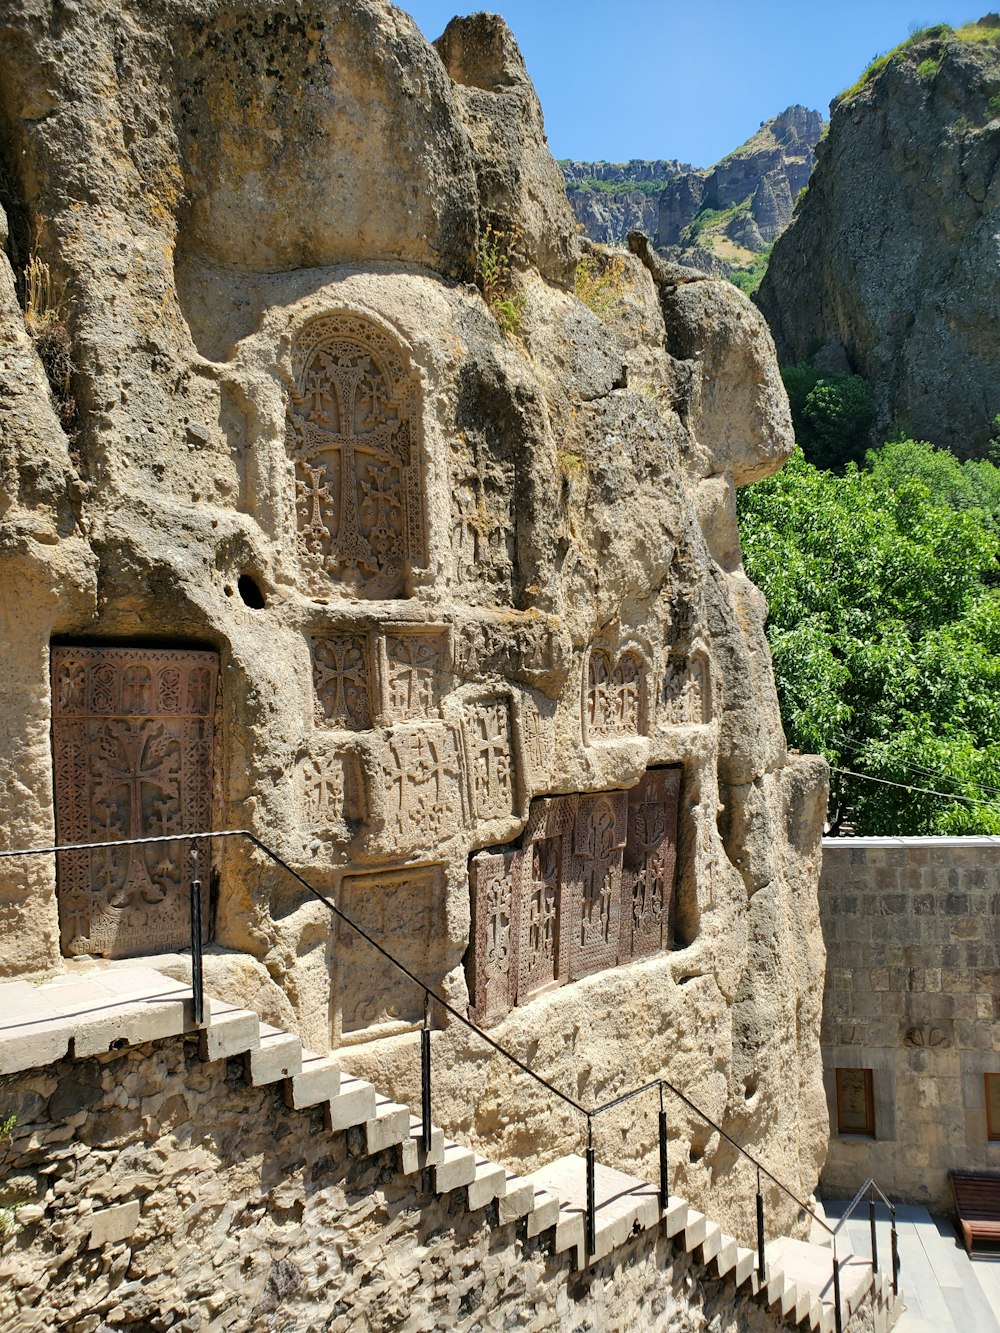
590 886
132 733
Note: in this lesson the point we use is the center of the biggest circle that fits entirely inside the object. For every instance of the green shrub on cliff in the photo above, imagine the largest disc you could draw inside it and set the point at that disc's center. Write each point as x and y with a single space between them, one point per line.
884 627
832 415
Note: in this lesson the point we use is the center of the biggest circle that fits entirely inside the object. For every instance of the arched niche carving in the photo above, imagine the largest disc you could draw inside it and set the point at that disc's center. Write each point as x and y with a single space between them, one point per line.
616 685
351 434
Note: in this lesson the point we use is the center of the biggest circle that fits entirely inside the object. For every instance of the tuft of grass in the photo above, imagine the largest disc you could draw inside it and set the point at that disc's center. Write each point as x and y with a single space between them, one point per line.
599 281
9 1224
495 278
46 318
927 69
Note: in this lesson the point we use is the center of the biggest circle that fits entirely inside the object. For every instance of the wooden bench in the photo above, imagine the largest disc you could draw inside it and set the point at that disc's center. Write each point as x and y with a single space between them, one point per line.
977 1203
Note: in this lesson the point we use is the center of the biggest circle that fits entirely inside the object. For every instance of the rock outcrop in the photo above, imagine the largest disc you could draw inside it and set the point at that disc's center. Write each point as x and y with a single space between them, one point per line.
891 268
717 217
370 537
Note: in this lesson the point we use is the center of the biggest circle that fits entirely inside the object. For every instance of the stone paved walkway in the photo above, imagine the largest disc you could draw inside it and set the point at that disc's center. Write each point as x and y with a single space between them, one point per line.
943 1291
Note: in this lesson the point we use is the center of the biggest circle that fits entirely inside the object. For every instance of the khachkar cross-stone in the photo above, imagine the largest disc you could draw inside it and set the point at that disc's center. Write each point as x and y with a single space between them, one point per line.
358 502
132 733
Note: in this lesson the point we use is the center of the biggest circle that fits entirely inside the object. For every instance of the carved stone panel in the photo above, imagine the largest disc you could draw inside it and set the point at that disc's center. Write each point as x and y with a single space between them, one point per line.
596 883
686 693
415 665
423 781
332 793
359 506
615 703
133 750
490 756
495 923
342 682
401 910
650 864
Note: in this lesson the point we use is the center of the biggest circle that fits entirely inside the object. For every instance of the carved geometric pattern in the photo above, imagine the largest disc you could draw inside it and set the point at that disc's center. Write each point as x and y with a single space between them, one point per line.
489 747
650 863
615 702
402 910
589 886
423 779
133 748
414 668
341 682
357 490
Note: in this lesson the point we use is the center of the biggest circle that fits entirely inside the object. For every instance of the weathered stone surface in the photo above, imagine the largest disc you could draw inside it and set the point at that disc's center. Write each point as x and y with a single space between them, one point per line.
447 570
890 269
191 1200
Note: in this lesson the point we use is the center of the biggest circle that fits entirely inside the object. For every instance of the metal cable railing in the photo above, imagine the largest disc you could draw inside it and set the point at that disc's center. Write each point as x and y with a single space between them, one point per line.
431 997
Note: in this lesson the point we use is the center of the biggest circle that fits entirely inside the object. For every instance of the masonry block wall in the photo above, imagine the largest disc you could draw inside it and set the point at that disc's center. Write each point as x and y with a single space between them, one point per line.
911 1014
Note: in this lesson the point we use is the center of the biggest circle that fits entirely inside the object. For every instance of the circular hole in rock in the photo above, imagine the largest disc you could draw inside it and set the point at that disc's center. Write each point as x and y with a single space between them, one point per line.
249 589
750 1088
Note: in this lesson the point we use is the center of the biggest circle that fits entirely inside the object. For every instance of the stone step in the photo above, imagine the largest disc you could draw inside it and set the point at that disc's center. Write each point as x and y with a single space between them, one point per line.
229 1031
353 1105
780 1292
389 1127
317 1081
746 1265
489 1184
457 1168
623 1204
517 1200
278 1056
675 1215
695 1229
411 1153
544 1210
712 1243
725 1259
810 1268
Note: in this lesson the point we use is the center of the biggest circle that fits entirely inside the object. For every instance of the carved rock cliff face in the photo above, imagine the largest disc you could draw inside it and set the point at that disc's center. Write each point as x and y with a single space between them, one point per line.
890 268
332 557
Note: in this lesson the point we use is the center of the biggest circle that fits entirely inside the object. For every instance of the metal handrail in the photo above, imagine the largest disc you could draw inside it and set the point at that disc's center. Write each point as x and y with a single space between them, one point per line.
431 996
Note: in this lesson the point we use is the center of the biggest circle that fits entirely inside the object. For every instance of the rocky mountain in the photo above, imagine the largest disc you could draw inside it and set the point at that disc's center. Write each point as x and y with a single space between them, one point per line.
720 218
891 268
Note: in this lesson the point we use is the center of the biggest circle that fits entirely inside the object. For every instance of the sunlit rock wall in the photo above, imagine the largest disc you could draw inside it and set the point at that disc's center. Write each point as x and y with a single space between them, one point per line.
448 568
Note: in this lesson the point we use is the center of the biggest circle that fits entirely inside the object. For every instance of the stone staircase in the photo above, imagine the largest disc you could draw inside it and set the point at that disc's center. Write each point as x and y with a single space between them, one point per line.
89 1013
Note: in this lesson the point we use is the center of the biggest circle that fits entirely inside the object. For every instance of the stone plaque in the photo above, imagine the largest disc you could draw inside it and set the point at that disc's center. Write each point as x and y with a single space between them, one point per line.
342 682
133 733
332 794
686 693
494 935
415 664
402 910
358 498
615 702
650 864
596 883
423 779
490 751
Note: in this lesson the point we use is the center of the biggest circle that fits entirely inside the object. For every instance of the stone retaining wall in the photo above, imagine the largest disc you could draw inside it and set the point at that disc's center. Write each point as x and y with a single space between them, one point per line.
167 1193
913 994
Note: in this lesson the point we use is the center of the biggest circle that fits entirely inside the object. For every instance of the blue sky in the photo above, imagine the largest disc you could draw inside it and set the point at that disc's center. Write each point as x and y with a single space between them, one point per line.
690 80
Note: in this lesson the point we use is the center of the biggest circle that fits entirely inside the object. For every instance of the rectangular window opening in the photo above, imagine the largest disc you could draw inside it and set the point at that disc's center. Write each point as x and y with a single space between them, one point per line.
993 1107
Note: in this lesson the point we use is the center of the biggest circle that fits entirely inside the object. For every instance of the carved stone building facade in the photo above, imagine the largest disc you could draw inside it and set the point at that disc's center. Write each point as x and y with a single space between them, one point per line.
451 618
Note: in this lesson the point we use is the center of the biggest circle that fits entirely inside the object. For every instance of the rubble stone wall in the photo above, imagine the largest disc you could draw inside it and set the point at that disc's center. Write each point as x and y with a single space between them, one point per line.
912 993
161 1192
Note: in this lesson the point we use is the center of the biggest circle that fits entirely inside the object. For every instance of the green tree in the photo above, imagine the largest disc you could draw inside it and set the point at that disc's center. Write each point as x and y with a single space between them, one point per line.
885 634
832 415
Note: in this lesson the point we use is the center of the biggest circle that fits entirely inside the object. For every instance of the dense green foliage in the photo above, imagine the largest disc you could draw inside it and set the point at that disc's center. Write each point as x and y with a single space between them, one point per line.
885 630
832 414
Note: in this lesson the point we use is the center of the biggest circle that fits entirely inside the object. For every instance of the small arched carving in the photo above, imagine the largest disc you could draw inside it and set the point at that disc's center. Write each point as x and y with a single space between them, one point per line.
615 700
350 435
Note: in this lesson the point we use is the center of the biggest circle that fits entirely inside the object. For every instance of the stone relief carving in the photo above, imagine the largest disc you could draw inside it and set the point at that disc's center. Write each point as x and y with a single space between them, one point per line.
402 910
615 694
133 734
589 886
685 693
359 507
342 682
331 793
482 529
416 660
529 651
489 745
423 777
